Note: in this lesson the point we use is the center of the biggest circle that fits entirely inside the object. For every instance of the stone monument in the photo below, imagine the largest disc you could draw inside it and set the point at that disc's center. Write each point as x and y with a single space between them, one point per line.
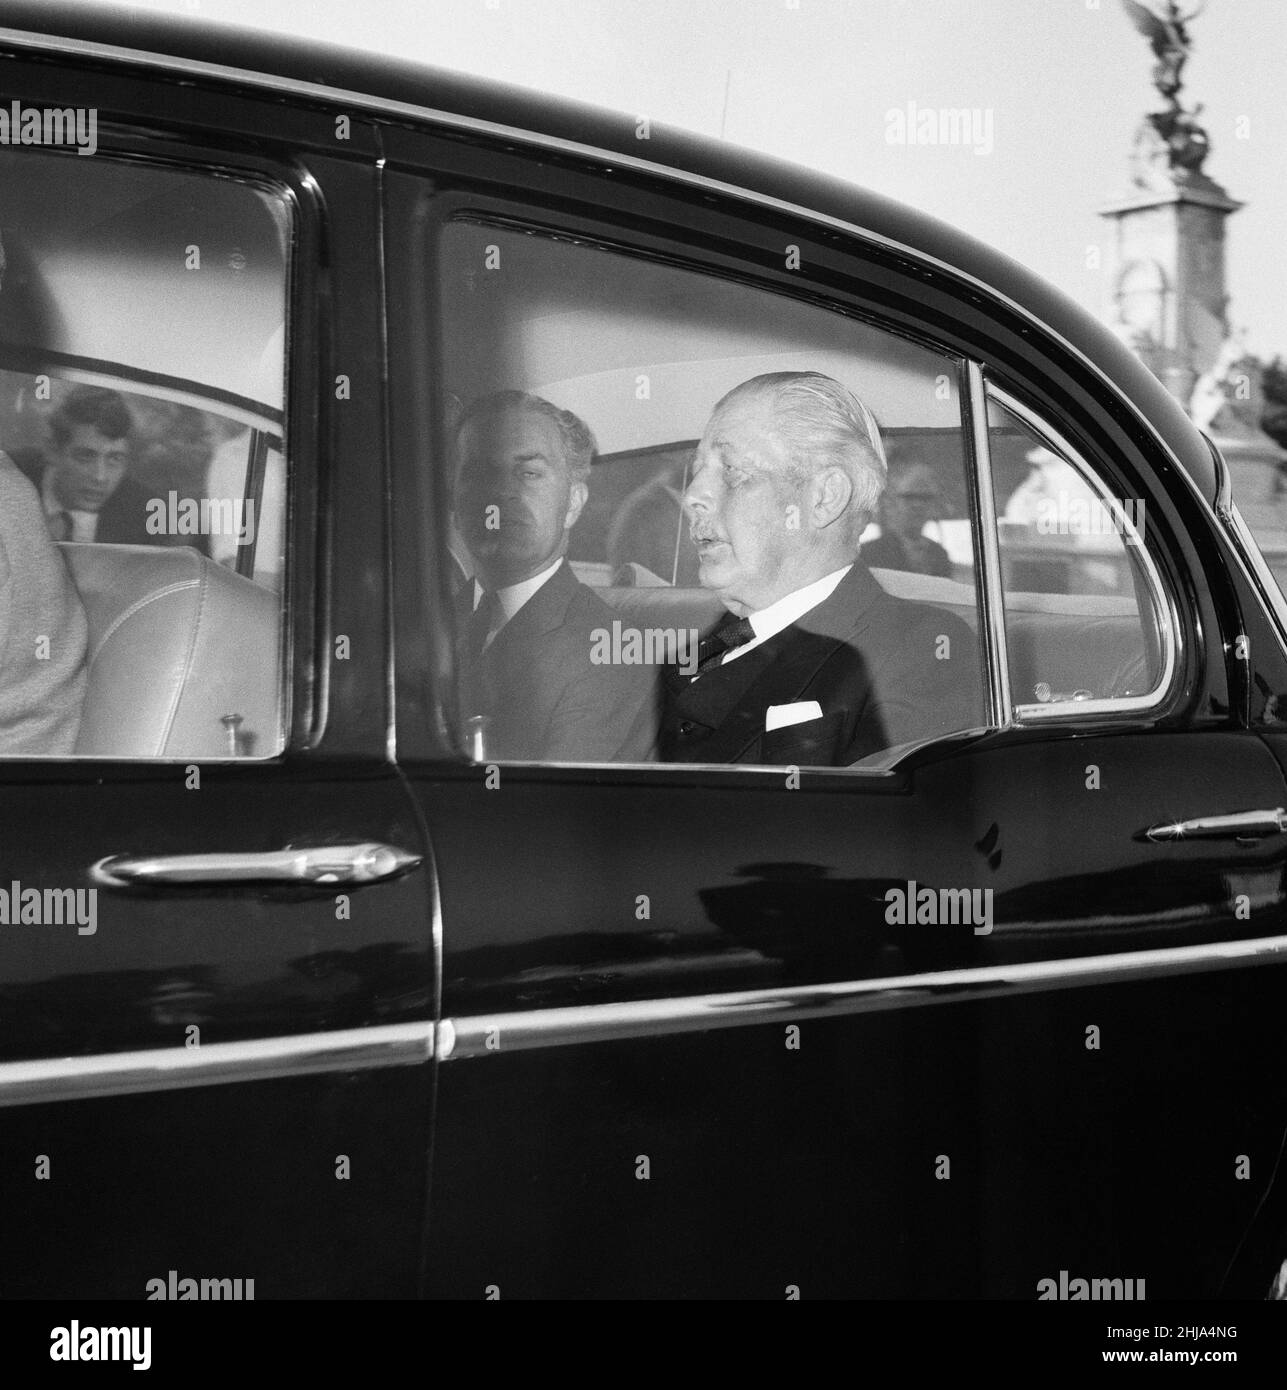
1167 282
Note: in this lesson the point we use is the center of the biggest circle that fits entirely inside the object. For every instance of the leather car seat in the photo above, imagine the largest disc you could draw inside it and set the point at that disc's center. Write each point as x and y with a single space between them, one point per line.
176 643
1063 643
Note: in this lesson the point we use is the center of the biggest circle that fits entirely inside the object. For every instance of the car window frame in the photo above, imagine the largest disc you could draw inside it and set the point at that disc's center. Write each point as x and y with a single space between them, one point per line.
1172 632
613 238
298 703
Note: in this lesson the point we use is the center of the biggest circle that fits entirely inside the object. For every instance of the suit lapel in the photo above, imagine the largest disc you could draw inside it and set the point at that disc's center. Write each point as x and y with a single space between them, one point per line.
545 611
787 664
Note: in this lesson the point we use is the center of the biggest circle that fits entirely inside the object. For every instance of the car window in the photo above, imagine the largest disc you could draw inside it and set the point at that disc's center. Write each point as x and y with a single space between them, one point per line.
676 439
142 463
1086 621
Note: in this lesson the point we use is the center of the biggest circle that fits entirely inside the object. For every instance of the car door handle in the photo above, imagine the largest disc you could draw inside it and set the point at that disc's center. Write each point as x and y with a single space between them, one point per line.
1242 825
364 863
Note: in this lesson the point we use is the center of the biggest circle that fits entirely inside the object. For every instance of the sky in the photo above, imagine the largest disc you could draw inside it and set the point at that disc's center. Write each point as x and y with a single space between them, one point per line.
1059 86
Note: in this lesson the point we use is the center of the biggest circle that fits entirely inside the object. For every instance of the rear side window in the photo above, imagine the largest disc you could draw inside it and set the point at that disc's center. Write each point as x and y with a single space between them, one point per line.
641 455
1087 626
142 472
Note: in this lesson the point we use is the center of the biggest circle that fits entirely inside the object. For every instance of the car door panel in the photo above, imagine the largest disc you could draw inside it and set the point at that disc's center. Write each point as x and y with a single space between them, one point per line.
231 1078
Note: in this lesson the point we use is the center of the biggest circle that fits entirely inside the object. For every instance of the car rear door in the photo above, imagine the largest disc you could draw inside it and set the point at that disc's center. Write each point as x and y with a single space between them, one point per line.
689 1047
217 972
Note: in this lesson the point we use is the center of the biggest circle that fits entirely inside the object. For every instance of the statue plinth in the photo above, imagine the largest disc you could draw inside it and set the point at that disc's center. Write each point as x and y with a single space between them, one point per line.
1166 285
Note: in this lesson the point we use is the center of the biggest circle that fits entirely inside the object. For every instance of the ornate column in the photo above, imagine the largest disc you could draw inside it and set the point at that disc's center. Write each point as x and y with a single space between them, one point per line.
1167 295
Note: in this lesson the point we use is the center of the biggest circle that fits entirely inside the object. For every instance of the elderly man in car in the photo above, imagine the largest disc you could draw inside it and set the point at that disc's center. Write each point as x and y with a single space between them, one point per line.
530 631
814 664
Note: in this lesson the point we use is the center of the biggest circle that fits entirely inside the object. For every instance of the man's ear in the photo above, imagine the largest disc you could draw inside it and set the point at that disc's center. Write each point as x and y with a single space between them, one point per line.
831 493
578 496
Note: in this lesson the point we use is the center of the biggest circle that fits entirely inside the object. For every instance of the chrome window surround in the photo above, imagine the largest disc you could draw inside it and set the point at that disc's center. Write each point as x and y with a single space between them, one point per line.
969 379
992 629
1170 631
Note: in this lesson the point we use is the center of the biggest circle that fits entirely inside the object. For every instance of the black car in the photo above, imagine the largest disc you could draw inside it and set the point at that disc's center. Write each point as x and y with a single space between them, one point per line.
311 988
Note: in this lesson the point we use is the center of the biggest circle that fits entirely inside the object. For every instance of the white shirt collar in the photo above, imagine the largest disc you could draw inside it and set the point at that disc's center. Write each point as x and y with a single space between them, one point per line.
768 622
84 524
514 596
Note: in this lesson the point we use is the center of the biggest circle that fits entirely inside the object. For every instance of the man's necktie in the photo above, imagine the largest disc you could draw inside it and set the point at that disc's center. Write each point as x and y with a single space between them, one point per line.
711 649
60 526
485 617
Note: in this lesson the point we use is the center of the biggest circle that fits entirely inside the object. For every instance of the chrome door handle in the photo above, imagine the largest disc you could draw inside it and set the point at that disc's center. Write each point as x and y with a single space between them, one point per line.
1242 825
365 863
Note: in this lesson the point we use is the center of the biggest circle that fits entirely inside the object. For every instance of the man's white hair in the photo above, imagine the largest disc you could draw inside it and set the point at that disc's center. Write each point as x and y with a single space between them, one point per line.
823 425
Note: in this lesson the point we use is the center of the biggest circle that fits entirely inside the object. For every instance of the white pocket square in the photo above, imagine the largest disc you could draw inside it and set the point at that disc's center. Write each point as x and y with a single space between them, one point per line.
781 716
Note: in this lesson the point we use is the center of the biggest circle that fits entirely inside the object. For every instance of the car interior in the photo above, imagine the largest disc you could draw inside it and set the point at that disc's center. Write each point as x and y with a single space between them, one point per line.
167 289
642 352
103 289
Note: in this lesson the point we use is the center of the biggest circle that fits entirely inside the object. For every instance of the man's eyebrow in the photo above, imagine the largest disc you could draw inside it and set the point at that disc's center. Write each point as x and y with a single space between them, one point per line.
732 453
530 455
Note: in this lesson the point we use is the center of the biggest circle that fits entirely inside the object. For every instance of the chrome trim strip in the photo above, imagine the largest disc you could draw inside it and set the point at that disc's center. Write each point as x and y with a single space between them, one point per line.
1172 631
46 1080
492 1035
1224 479
993 627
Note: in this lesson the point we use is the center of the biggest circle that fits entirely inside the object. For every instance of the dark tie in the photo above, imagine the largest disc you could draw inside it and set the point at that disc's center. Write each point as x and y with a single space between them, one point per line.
486 616
711 649
60 526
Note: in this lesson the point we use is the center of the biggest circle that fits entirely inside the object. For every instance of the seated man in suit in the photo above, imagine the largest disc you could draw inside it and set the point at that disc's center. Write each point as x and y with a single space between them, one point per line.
911 499
82 477
527 625
816 664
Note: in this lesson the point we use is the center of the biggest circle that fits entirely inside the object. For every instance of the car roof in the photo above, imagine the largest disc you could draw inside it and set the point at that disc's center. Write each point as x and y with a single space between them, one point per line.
254 59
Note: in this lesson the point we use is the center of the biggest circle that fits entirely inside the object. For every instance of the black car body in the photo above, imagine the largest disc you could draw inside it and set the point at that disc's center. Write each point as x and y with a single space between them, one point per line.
437 1026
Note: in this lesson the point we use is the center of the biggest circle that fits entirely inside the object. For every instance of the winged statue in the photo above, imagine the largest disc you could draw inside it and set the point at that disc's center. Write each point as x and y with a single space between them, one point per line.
1164 26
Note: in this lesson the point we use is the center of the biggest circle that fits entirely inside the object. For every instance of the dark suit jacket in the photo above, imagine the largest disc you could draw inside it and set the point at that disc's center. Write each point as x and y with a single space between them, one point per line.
869 660
123 519
546 699
887 552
